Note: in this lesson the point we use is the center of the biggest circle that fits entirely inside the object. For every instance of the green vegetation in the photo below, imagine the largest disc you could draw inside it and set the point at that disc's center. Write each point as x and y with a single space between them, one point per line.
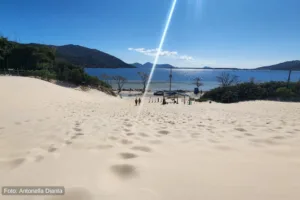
285 92
41 61
253 91
6 48
201 100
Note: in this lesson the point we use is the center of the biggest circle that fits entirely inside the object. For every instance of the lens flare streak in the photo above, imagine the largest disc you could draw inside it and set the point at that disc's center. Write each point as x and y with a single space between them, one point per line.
158 51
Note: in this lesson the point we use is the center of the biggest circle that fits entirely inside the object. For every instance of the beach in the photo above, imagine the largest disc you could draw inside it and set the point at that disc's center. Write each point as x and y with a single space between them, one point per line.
103 147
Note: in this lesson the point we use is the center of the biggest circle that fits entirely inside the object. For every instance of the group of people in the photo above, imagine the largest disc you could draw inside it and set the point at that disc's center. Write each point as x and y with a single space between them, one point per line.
164 102
158 100
153 100
137 101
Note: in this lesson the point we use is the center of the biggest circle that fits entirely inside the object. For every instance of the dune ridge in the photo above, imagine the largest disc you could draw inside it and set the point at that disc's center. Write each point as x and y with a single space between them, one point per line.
94 146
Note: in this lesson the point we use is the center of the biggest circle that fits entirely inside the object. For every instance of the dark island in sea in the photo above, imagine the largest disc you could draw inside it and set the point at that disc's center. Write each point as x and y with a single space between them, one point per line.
162 66
149 65
289 65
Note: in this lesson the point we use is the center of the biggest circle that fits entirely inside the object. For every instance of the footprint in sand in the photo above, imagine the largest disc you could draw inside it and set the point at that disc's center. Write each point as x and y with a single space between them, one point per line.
68 142
113 138
241 129
126 155
79 134
12 164
129 134
74 137
291 133
18 123
143 135
249 134
142 148
17 162
125 141
39 158
163 132
77 123
128 125
77 129
124 171
52 149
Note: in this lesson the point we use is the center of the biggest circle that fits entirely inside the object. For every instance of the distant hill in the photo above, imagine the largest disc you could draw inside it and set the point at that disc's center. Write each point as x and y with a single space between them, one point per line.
86 57
137 65
149 65
289 65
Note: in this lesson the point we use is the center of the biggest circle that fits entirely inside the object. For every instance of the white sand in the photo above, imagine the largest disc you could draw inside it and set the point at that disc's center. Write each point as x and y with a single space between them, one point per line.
91 144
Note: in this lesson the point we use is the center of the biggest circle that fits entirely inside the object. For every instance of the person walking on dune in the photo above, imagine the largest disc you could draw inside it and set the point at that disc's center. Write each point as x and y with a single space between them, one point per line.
164 101
136 101
139 101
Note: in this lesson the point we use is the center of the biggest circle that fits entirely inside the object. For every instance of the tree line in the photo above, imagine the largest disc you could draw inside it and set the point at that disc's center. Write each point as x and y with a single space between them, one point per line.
231 90
41 61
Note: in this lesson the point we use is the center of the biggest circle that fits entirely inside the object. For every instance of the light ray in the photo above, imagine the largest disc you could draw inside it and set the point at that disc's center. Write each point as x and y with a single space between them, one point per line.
162 40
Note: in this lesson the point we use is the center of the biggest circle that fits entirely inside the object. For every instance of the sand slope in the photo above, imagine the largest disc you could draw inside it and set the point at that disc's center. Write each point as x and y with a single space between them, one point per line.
96 147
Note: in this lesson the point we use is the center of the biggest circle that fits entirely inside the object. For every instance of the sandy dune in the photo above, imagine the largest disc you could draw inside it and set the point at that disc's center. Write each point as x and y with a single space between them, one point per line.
97 147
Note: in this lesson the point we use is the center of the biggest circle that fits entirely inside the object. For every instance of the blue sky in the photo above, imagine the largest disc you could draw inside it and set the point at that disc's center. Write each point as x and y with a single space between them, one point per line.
218 33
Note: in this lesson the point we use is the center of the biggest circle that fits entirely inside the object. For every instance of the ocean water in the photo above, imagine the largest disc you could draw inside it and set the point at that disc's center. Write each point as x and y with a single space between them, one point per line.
183 78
